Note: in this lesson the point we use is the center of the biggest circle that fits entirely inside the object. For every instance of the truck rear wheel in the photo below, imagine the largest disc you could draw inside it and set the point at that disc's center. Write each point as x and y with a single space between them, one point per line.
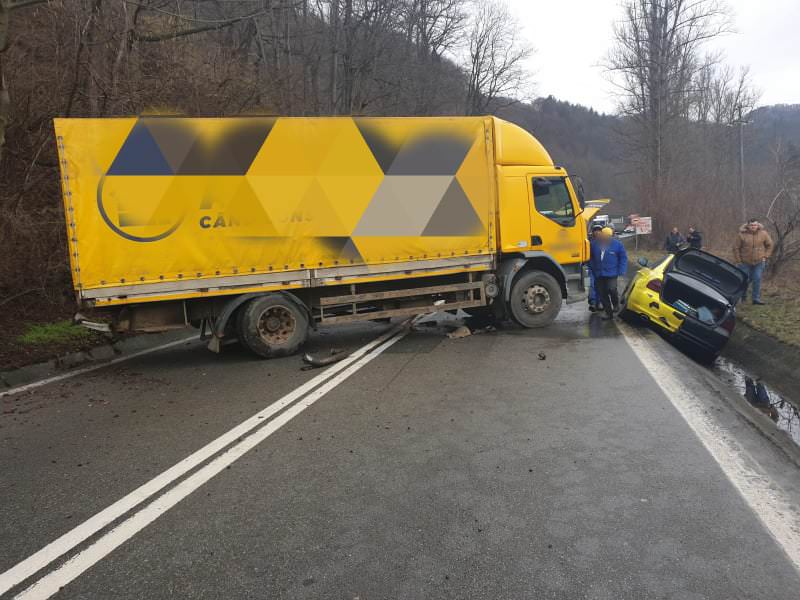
535 299
272 326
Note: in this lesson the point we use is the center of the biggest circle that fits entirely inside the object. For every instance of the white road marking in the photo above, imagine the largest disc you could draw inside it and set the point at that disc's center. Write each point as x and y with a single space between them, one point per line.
53 581
770 504
34 563
113 361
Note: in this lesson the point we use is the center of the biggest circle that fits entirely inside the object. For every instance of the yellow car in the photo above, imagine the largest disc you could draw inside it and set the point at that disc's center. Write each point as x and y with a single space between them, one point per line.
690 296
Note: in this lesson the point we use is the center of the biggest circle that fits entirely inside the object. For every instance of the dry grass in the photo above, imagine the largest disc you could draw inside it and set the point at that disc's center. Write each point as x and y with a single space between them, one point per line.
780 317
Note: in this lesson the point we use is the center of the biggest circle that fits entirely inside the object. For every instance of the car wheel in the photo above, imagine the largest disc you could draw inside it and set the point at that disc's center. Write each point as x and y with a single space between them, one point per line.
272 326
535 299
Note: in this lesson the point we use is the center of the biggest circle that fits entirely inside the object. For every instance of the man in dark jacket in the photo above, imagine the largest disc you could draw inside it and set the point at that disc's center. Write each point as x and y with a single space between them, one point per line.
695 239
674 241
608 261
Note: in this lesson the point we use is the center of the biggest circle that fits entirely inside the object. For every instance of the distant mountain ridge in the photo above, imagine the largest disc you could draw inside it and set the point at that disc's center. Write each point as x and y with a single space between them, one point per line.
587 143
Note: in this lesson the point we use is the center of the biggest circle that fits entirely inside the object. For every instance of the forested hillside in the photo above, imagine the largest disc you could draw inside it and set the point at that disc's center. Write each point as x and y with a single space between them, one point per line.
584 141
591 144
367 57
200 57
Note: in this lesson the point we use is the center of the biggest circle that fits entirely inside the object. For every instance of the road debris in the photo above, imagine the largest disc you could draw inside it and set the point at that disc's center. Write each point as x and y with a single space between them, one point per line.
542 356
315 362
460 332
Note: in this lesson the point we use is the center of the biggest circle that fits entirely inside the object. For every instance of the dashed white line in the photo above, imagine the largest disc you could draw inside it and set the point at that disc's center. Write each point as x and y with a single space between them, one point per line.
770 504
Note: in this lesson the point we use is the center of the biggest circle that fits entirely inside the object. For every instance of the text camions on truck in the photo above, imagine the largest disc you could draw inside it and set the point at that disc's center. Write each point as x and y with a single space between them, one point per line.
259 228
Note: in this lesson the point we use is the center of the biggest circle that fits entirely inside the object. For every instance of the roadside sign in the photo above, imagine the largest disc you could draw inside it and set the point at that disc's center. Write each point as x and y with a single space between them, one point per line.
643 225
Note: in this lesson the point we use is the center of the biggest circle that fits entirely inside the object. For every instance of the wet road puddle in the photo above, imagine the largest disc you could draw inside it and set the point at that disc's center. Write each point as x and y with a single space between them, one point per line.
785 414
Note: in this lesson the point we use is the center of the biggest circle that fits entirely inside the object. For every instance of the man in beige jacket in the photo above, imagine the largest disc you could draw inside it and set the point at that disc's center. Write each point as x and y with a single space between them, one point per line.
752 249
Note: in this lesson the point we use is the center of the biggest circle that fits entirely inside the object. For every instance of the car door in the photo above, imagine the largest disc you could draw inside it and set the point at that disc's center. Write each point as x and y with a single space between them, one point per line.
554 226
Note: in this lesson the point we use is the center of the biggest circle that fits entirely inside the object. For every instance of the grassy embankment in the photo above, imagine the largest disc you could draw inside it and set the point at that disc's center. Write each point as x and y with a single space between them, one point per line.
33 342
780 317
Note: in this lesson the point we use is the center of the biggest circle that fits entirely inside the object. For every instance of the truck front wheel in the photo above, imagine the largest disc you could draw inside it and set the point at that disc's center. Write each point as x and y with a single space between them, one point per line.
535 299
272 326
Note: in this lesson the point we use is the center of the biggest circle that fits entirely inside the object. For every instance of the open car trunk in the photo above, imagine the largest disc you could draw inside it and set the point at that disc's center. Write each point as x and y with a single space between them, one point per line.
717 274
703 289
695 299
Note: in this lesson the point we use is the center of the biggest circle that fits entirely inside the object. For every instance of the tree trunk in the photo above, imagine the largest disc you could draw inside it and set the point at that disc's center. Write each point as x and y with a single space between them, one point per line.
334 26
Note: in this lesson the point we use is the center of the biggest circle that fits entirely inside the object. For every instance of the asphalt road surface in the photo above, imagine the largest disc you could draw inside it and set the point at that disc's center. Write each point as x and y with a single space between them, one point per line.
587 460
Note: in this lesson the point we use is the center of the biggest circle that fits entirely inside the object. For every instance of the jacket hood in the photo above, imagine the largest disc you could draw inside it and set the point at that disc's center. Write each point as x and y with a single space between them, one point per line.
743 228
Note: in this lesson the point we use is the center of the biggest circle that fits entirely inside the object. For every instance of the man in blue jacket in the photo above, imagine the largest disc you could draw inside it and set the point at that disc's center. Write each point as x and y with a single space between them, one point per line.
608 261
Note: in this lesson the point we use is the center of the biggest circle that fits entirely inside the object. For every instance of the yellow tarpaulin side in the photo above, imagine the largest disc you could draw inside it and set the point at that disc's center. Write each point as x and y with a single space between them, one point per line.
160 199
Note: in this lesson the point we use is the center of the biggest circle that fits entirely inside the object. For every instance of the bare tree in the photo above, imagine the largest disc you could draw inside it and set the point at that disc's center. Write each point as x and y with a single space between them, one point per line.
433 29
496 61
6 6
655 59
784 209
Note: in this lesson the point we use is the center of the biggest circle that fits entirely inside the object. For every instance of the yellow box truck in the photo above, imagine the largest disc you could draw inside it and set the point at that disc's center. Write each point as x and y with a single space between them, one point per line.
260 228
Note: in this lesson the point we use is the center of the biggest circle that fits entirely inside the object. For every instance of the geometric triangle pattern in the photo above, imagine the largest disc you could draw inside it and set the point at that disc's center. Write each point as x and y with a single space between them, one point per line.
140 155
174 138
383 147
283 192
175 146
430 155
454 215
402 205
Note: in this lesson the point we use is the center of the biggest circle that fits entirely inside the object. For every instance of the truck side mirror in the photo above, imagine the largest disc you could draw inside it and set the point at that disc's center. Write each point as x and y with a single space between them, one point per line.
577 183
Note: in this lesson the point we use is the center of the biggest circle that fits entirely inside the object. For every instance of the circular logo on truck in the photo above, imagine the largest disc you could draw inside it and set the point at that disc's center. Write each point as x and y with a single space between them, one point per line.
139 209
164 161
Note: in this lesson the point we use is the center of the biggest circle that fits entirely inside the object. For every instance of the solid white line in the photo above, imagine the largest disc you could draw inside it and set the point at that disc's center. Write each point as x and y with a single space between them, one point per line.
770 504
55 580
113 361
26 568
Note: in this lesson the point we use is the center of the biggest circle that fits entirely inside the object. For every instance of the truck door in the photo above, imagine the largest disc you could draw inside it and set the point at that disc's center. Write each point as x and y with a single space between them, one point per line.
554 226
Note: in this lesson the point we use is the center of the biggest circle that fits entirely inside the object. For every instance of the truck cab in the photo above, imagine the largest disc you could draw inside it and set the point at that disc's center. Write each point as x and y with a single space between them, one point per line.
542 224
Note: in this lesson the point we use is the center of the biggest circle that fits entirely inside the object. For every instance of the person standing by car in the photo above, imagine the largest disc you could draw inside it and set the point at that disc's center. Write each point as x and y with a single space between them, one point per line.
695 239
593 300
752 249
674 241
608 261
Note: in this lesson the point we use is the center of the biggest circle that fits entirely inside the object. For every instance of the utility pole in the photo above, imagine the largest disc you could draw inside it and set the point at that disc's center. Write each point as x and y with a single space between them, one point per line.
741 171
742 122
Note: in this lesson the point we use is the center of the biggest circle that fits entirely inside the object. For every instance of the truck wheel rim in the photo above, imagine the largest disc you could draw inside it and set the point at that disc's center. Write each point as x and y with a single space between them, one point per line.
276 325
536 299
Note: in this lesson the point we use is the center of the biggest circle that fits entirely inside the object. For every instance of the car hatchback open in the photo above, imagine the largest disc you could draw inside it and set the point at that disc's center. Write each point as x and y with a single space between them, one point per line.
691 296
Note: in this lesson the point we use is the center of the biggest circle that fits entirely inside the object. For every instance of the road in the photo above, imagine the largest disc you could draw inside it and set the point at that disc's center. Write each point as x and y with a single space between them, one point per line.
608 466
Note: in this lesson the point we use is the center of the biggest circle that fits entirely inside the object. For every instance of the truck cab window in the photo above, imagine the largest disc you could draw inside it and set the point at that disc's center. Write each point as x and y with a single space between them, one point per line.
552 200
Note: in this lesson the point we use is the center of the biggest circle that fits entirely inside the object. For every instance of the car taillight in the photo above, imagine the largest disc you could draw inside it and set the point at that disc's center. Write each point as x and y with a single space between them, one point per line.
729 323
655 285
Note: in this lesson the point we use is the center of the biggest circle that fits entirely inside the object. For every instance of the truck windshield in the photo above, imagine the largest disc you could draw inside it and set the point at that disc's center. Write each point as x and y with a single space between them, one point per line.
552 200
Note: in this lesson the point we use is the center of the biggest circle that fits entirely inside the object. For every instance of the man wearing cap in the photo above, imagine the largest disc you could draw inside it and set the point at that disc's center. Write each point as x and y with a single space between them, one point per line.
608 261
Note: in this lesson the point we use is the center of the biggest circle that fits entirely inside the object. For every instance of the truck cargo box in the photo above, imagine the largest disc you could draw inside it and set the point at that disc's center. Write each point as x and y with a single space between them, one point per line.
166 208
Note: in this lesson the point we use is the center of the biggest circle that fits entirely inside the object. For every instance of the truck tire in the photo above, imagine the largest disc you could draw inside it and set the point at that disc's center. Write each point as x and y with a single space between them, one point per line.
535 299
272 326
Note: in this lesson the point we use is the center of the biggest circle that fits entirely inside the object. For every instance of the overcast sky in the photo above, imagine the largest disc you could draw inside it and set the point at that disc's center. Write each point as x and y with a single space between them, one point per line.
571 38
